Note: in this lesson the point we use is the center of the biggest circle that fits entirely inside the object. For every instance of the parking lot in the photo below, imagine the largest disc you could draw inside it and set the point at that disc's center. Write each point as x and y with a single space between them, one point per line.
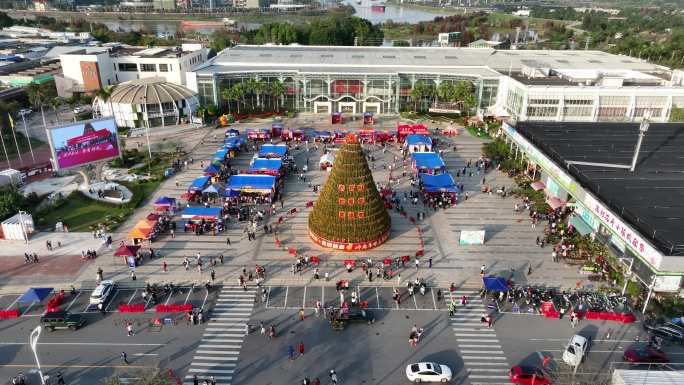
80 302
380 298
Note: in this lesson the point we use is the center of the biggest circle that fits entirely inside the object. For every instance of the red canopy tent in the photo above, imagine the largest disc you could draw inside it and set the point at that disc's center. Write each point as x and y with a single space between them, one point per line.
126 251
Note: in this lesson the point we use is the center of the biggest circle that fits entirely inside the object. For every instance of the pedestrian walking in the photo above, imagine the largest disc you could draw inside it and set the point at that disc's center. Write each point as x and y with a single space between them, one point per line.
262 328
300 347
317 310
333 377
101 308
213 275
489 320
195 380
417 263
301 314
165 267
482 270
430 263
124 358
129 329
398 279
228 241
291 352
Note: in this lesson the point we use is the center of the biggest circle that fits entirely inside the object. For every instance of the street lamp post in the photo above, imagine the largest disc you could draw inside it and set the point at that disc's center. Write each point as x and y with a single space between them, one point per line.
146 122
33 341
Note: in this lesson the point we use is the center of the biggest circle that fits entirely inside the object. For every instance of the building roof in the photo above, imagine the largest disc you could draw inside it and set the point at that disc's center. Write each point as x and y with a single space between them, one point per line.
407 59
149 91
651 198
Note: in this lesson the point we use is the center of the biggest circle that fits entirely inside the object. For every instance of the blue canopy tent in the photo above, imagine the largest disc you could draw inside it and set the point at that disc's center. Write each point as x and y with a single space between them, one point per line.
272 151
199 184
438 183
322 134
165 201
231 132
429 161
216 188
211 170
266 166
492 283
211 213
418 143
234 143
35 294
250 183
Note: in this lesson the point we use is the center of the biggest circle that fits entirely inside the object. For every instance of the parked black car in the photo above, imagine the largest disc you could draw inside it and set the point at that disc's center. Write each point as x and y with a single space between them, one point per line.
61 320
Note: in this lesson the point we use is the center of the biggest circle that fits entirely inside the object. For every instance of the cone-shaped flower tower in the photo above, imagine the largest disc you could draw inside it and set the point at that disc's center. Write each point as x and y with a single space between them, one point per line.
349 215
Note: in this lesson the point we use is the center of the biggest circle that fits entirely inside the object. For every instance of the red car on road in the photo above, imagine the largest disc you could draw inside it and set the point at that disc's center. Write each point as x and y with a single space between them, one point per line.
644 354
527 375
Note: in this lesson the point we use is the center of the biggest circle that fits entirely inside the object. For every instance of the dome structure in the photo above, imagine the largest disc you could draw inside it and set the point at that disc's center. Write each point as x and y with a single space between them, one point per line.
150 102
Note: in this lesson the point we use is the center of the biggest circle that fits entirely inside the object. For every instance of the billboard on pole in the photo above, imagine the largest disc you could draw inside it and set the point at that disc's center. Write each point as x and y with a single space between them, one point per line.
84 142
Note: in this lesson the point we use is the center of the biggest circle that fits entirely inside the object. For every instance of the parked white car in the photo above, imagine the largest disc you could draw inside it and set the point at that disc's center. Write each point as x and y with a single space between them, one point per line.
102 293
428 372
575 351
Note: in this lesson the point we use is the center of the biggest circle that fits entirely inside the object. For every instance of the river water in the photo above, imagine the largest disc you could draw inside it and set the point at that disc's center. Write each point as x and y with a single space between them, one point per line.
392 12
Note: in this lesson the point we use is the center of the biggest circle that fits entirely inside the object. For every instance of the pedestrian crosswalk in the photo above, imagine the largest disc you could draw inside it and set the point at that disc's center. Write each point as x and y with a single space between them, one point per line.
481 351
217 353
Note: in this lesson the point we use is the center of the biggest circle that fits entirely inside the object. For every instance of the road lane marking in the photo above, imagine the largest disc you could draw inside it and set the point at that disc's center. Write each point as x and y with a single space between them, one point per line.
145 354
13 302
169 297
205 299
287 289
304 299
187 297
66 366
132 296
29 308
482 358
83 343
464 351
434 303
377 298
73 300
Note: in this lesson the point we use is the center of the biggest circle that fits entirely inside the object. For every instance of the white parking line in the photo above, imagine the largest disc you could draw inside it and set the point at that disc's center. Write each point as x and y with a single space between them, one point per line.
483 358
377 298
304 299
13 302
132 296
29 308
434 303
205 299
73 300
169 297
268 296
187 297
287 289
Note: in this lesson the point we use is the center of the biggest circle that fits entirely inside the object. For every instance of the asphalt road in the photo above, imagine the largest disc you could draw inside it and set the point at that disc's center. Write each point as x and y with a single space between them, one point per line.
94 351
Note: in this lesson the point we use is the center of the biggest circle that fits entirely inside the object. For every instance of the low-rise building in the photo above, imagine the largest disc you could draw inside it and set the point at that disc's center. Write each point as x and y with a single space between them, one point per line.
251 4
88 69
482 43
541 91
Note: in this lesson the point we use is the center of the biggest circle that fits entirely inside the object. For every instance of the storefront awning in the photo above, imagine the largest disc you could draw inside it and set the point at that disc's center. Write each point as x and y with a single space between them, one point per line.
537 185
580 225
555 203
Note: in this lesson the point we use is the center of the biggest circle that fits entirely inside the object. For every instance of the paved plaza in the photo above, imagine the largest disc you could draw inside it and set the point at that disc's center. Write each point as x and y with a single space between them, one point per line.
230 346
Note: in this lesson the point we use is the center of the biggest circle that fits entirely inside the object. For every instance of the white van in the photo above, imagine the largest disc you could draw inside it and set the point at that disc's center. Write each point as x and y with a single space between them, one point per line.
575 351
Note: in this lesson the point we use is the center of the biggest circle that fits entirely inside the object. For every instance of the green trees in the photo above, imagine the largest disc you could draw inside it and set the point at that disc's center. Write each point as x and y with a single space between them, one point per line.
276 90
422 92
105 95
38 96
277 33
461 93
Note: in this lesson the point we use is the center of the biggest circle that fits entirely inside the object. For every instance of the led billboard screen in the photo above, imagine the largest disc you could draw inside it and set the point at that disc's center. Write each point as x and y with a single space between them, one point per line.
84 142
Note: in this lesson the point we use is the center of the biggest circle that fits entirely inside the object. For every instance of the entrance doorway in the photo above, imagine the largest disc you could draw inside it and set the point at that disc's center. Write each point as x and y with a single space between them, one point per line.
322 107
347 107
371 107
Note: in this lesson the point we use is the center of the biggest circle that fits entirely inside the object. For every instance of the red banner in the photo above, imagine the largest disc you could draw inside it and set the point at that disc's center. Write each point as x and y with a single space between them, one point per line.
349 246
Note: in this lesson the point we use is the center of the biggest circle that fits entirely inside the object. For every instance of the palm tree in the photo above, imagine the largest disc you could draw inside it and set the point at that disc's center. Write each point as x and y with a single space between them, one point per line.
227 96
250 87
259 88
464 95
417 93
105 94
55 103
277 90
238 91
201 111
444 91
37 96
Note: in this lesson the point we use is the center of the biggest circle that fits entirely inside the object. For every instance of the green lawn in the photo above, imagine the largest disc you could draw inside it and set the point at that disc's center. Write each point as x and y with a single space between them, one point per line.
79 212
482 134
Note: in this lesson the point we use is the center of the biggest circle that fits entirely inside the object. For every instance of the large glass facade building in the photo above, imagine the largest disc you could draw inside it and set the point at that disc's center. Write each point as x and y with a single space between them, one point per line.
326 79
